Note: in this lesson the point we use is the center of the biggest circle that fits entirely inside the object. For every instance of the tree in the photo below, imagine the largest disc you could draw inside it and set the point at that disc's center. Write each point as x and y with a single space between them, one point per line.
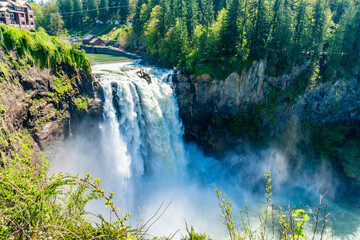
104 10
56 23
92 9
153 29
192 15
66 7
123 6
300 31
218 5
78 13
230 33
260 28
279 49
317 29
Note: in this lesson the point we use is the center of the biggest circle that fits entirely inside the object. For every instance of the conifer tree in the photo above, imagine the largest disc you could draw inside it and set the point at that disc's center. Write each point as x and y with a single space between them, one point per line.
192 15
260 28
317 31
153 29
229 33
280 40
300 31
138 27
78 13
66 8
123 10
92 9
104 10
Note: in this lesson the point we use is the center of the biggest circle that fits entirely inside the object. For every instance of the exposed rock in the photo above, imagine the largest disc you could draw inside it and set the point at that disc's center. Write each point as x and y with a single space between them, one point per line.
330 103
206 105
30 101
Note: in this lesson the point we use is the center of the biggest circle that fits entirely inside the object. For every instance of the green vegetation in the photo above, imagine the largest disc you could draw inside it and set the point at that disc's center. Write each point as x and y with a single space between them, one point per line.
274 223
40 49
98 58
339 144
33 206
82 103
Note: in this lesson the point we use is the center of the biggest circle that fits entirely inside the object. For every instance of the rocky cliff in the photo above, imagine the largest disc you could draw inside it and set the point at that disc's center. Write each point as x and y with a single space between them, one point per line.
45 103
251 108
209 107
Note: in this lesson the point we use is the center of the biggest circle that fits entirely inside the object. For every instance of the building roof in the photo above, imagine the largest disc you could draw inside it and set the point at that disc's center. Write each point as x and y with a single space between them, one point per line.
88 37
95 39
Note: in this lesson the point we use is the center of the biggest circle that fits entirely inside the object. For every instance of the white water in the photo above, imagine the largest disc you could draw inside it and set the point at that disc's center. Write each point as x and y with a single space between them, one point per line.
142 157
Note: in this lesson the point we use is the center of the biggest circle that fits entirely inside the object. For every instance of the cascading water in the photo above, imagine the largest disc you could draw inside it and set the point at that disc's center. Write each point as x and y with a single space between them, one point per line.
142 157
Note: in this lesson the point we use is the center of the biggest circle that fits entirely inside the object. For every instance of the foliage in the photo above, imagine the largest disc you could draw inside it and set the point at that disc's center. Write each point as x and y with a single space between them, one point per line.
82 103
41 49
192 235
289 225
33 206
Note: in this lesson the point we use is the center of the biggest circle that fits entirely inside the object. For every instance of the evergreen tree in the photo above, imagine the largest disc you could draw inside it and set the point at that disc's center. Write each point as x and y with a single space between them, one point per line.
351 45
280 41
56 23
218 5
300 31
92 9
206 12
123 10
317 31
138 27
229 33
66 7
78 13
85 4
153 29
192 15
104 10
260 29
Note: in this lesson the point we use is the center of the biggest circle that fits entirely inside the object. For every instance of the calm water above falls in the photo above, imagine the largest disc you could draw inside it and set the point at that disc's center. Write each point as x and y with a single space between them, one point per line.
142 157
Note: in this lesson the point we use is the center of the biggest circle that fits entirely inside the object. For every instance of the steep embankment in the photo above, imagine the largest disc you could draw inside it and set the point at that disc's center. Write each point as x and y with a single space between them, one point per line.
251 108
46 86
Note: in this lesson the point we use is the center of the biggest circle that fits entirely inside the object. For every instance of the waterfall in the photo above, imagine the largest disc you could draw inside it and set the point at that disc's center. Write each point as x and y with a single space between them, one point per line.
140 154
142 131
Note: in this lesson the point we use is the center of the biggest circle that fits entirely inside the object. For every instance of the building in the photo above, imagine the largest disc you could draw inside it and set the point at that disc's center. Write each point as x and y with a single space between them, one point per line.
93 40
17 13
97 42
86 40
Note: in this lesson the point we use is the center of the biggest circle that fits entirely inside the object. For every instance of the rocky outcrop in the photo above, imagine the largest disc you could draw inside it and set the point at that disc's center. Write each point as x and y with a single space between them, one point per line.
45 102
337 102
206 105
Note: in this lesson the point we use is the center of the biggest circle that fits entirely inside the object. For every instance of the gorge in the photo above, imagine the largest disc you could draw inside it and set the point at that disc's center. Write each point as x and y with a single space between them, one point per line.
138 151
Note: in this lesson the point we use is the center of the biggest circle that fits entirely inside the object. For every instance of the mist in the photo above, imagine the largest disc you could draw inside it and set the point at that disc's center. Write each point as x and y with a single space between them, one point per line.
138 152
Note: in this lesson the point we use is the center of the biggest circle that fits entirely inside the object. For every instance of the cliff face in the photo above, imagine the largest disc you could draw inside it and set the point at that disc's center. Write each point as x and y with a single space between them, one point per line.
46 103
255 109
207 105
330 103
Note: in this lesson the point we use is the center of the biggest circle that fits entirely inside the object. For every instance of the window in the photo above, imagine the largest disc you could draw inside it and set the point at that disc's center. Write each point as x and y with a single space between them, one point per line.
32 24
7 15
2 15
31 16
22 24
11 15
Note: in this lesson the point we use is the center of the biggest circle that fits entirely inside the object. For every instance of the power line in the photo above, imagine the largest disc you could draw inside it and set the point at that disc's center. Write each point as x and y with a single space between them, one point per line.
89 10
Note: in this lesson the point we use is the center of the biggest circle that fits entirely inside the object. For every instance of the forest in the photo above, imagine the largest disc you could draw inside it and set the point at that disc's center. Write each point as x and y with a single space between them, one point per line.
222 36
